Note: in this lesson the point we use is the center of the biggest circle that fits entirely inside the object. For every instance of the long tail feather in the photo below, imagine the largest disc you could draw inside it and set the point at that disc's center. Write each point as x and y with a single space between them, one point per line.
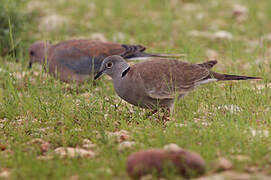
228 77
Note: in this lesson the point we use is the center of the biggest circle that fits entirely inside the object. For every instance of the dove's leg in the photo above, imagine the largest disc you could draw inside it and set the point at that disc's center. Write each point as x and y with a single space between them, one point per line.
152 113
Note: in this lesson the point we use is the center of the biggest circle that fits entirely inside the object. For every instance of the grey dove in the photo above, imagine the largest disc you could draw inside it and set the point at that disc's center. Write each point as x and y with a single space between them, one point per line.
77 60
155 83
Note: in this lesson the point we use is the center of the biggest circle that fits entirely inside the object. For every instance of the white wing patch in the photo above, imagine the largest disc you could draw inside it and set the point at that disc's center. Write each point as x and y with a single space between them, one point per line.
205 81
140 58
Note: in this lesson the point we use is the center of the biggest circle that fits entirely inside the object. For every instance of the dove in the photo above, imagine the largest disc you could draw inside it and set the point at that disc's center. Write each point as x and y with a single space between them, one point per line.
154 84
78 60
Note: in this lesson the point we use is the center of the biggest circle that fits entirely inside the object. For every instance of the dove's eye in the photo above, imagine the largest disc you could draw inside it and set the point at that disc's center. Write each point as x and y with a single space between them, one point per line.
31 53
109 65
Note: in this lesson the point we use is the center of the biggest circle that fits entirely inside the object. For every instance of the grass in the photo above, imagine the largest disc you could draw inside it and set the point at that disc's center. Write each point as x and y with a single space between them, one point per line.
12 24
35 105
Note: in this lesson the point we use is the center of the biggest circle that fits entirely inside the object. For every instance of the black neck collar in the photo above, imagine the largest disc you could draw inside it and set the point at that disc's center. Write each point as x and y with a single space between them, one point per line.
125 72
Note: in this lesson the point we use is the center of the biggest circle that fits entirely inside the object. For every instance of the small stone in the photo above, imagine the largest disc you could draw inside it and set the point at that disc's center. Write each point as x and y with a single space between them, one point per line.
211 54
262 133
263 86
196 33
222 35
87 144
222 164
144 162
239 9
121 135
240 12
252 169
216 35
45 157
267 37
44 147
233 109
172 147
4 174
227 175
98 36
3 147
126 145
75 177
74 152
119 36
52 22
59 123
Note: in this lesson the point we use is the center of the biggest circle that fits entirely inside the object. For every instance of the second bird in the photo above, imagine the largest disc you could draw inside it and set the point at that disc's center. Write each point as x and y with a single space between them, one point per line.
155 83
77 60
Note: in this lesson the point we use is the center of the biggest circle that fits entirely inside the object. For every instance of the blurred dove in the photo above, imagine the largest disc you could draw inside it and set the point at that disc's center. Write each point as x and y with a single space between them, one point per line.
77 60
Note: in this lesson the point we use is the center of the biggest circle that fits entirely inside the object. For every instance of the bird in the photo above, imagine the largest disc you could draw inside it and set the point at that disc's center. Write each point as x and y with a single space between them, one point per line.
154 83
79 59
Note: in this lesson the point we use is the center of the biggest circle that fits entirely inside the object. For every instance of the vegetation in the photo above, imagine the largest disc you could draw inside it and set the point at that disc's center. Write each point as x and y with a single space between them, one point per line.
225 119
12 24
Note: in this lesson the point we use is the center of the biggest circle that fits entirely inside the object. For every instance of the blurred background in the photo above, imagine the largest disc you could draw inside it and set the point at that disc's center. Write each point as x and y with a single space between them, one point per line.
232 31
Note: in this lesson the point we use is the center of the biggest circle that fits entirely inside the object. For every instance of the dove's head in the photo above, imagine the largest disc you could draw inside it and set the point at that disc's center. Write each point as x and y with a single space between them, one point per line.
114 66
38 52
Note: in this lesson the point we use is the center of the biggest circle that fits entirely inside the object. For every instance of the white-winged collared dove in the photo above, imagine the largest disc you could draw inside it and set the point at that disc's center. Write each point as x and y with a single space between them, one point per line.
154 83
77 60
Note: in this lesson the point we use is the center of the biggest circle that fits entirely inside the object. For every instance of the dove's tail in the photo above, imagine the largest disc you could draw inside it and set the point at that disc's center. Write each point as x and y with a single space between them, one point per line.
228 77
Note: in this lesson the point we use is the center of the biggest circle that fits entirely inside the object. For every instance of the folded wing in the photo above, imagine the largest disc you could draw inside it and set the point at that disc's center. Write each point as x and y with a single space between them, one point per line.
164 78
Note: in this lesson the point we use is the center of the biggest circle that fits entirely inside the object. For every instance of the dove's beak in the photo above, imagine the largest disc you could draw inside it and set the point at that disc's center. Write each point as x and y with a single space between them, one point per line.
98 75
